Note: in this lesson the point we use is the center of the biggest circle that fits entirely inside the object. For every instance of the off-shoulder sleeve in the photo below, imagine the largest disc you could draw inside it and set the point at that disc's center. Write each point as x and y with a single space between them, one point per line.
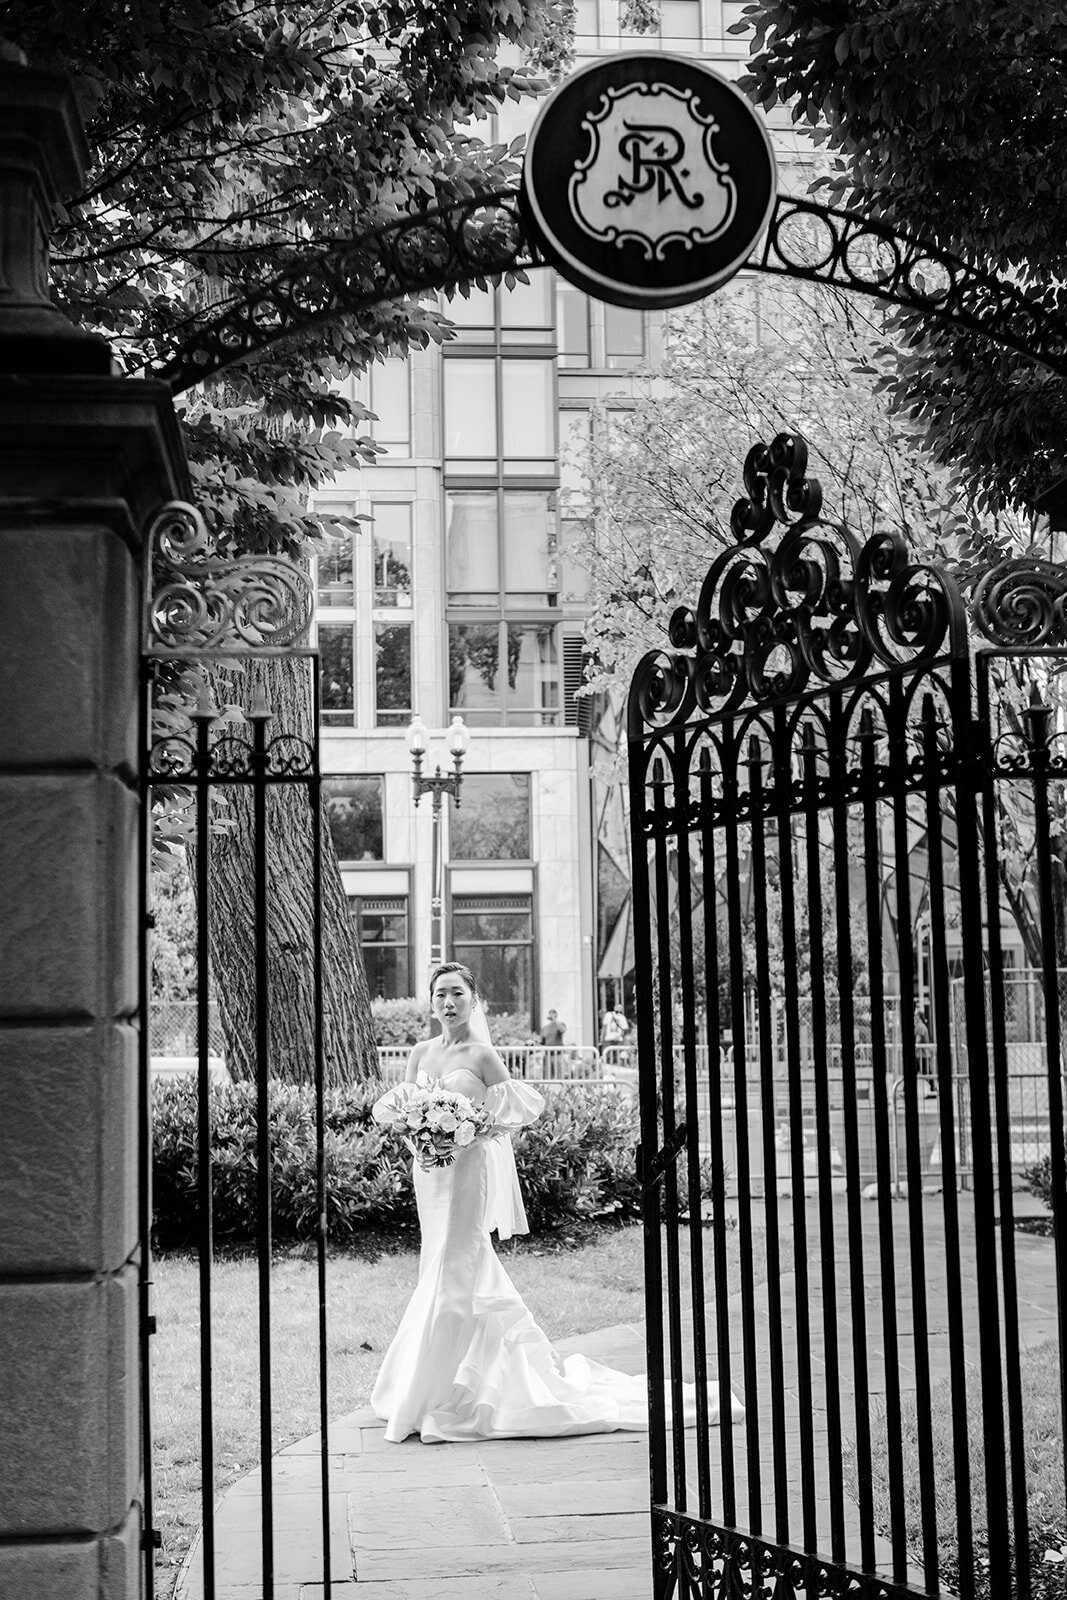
390 1106
512 1105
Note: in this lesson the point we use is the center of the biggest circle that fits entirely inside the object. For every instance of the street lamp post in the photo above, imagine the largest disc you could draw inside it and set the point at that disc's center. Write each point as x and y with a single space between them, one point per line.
440 784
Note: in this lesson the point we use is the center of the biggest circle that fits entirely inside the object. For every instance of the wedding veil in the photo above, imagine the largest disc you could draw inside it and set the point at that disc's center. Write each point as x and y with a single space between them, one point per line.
504 1208
480 1024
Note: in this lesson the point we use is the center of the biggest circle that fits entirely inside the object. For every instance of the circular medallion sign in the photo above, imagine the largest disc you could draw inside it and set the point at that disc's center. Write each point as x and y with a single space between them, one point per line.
647 180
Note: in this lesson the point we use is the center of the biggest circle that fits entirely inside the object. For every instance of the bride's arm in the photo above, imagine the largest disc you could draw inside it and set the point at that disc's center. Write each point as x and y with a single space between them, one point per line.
488 1065
417 1053
392 1105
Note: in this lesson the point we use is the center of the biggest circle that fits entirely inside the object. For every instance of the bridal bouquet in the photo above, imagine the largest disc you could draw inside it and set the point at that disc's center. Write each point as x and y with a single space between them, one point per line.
437 1122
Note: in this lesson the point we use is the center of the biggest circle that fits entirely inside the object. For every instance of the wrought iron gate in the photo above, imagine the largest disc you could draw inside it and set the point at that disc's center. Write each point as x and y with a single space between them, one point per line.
233 617
839 783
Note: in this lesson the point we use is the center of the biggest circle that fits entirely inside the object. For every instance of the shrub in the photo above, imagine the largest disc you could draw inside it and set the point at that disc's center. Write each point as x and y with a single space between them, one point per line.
576 1162
510 1027
1038 1179
407 1020
400 1021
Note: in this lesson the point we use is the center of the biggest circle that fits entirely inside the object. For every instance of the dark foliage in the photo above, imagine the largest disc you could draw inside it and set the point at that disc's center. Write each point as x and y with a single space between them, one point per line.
576 1163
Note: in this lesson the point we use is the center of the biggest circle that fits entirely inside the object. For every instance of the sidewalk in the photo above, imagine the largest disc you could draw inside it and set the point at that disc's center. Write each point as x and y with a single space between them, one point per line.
540 1519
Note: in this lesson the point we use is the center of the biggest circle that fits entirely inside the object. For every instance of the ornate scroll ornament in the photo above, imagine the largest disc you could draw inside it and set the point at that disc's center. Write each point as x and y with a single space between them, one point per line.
1022 604
197 603
775 619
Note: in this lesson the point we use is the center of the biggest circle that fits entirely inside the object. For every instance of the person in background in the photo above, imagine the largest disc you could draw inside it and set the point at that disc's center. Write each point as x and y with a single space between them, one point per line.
614 1027
553 1031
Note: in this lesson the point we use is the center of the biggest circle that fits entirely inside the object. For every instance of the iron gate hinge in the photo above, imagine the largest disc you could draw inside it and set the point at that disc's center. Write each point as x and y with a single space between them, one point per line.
663 1158
152 1539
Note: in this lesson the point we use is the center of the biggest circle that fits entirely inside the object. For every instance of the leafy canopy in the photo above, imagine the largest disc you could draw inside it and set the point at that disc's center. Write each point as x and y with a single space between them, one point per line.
234 139
662 466
947 118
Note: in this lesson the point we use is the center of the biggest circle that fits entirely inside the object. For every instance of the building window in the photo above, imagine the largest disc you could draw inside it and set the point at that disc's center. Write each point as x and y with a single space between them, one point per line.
529 401
526 694
521 314
470 410
392 673
382 930
492 821
389 397
531 694
354 812
474 672
572 325
391 534
489 531
624 337
493 935
472 547
494 537
500 414
530 573
336 585
575 578
679 22
336 653
526 307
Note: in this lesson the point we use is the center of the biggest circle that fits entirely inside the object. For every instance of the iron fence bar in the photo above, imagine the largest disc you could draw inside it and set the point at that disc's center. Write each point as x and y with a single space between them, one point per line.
1037 731
259 717
667 1113
144 1135
649 1135
783 783
732 811
203 718
692 1125
768 1117
985 767
839 764
718 1175
971 921
947 1137
714 1087
827 1240
314 792
872 869
898 764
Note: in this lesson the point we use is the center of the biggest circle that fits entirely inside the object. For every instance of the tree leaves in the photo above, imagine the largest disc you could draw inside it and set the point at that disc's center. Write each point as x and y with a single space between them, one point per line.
947 118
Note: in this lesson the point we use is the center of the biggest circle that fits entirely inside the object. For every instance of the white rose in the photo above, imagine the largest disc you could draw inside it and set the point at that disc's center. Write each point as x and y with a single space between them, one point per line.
447 1121
464 1134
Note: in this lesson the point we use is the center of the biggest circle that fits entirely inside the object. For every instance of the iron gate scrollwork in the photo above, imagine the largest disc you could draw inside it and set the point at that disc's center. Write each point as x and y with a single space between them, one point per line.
822 772
204 615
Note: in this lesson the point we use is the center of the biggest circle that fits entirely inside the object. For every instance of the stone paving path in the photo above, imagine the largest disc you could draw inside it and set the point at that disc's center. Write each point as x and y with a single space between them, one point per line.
563 1519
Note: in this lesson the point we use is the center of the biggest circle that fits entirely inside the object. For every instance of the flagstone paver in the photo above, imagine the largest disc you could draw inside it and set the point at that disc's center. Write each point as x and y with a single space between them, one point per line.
567 1519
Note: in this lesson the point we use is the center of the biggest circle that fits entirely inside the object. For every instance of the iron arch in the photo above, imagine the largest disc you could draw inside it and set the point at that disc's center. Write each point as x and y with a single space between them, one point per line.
486 236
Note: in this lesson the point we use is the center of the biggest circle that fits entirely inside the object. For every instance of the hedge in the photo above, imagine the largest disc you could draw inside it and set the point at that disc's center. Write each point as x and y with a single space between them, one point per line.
575 1163
402 1022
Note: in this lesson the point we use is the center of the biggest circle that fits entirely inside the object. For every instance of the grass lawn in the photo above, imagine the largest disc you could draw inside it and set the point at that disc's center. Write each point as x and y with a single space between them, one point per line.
569 1290
1040 1369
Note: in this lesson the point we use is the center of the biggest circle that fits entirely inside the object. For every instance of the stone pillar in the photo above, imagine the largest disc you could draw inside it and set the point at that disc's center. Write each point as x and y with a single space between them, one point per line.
85 457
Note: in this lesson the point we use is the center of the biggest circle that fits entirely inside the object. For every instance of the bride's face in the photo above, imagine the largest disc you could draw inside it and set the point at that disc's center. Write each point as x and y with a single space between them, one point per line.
451 1000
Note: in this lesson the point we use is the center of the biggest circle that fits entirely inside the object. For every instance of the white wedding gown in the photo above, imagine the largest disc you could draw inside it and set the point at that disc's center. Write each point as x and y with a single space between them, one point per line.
468 1360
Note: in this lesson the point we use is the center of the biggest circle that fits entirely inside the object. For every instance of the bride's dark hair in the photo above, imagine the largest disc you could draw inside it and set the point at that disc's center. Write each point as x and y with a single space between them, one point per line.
457 967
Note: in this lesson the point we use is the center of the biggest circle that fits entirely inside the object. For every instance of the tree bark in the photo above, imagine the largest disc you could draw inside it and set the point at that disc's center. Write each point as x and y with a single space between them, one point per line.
349 1052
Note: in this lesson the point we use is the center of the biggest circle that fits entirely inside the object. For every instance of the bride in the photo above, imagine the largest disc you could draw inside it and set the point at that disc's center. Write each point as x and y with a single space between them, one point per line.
468 1360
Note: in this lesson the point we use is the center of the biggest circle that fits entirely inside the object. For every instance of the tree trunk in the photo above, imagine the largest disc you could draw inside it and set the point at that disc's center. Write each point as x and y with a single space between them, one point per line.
348 1040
